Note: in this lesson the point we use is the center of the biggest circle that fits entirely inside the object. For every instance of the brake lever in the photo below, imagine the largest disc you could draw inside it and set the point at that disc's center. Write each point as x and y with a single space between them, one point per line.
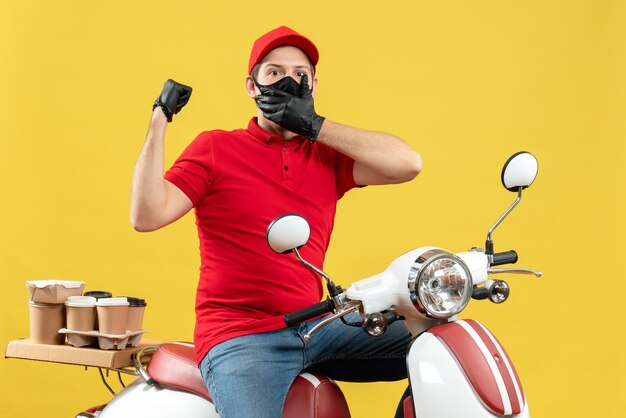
513 271
348 307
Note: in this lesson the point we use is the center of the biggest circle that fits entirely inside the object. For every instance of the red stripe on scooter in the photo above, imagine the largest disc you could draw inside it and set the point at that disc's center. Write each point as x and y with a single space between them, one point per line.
473 362
512 392
504 371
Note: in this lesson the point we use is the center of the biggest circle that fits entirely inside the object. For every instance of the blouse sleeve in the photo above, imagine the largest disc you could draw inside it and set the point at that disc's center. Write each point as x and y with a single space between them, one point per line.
191 172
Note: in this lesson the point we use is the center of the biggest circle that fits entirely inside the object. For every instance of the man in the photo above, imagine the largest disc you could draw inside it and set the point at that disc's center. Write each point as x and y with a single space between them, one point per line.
289 159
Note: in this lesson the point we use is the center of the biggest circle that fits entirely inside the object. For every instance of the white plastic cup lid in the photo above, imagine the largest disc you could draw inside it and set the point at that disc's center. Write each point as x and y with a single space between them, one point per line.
112 302
80 302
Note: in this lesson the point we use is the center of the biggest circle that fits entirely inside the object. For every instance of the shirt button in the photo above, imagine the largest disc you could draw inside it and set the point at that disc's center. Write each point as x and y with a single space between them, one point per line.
284 149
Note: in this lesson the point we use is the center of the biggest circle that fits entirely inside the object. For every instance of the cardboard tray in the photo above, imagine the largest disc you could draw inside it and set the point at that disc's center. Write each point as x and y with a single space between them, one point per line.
66 354
105 341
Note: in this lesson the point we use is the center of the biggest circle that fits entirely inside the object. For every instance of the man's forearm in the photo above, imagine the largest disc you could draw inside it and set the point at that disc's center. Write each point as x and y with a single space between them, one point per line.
148 191
380 158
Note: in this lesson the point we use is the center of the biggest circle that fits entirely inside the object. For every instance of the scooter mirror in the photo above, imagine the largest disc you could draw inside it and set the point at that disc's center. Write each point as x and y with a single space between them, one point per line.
287 232
520 170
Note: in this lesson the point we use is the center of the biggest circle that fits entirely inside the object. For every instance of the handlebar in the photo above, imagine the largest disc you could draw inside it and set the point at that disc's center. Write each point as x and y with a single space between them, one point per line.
505 257
309 312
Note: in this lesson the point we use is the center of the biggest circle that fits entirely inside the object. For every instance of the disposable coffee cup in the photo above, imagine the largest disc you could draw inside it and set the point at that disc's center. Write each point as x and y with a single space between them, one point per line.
112 315
98 294
46 320
81 313
136 309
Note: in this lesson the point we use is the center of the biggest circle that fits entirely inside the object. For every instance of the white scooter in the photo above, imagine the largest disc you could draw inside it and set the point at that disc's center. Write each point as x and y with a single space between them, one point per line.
456 368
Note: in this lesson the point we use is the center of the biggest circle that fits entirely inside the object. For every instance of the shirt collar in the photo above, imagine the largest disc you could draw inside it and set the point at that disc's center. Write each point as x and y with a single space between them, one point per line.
262 135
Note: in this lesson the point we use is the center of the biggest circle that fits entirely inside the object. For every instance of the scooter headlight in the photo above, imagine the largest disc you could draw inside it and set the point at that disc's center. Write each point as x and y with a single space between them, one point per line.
440 284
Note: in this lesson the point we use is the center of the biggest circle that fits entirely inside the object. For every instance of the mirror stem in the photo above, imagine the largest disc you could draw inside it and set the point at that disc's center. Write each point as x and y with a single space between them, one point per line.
489 242
332 289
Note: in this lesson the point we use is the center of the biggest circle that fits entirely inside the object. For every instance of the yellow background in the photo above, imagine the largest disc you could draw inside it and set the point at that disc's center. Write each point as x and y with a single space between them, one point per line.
466 83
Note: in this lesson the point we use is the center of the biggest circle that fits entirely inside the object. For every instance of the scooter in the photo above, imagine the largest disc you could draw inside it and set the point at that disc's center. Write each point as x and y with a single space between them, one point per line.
456 368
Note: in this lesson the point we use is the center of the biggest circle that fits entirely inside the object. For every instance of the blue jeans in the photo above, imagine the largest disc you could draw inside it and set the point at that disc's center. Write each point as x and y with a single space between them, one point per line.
249 376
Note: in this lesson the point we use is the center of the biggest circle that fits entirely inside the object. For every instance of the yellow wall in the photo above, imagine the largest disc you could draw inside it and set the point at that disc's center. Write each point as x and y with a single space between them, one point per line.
464 82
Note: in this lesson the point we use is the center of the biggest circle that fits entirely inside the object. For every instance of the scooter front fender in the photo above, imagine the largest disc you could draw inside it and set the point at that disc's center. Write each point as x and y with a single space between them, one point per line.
459 369
139 400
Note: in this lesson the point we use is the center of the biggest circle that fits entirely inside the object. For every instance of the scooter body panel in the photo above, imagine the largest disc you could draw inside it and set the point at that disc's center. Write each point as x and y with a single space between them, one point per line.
141 400
441 386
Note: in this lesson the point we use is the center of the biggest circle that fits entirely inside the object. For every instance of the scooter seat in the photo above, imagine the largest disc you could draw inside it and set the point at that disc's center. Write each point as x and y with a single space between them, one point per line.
312 395
174 365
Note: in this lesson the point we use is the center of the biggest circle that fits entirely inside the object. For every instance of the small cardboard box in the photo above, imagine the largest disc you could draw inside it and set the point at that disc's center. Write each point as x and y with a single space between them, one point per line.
24 349
53 291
